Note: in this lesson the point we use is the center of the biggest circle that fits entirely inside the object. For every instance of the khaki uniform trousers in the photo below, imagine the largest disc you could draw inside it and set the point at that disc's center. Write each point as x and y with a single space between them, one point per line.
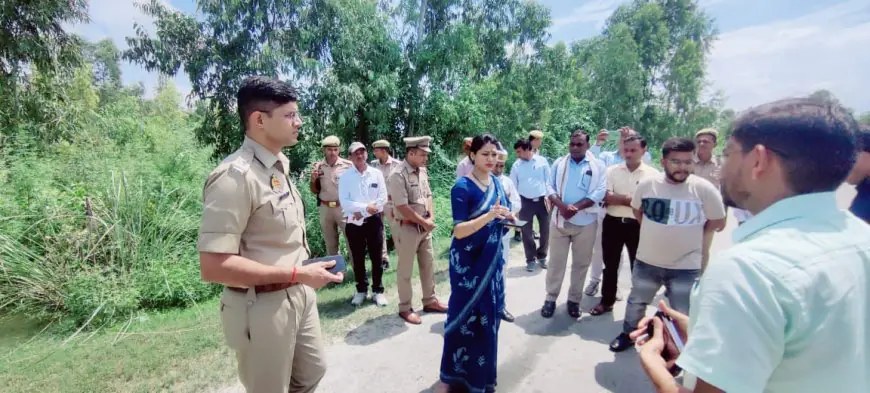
580 240
331 223
412 242
276 337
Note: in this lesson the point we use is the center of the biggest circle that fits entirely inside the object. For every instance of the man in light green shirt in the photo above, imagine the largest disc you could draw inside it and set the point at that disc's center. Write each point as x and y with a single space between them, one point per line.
787 308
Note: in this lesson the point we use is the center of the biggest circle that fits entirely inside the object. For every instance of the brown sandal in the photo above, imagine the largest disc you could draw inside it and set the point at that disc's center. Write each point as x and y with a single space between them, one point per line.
601 309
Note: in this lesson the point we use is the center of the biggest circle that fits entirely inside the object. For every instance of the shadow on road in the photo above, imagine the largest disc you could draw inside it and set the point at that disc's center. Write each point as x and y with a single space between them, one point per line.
519 271
437 328
623 374
377 329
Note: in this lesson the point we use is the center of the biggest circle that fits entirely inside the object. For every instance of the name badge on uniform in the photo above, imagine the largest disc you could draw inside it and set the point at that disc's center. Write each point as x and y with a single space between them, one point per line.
276 184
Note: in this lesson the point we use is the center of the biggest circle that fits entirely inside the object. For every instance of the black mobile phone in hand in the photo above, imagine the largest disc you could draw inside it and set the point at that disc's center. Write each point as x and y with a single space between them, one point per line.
673 342
340 263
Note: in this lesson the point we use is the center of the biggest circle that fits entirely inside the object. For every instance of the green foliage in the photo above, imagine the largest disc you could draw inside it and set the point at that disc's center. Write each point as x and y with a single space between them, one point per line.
100 188
99 220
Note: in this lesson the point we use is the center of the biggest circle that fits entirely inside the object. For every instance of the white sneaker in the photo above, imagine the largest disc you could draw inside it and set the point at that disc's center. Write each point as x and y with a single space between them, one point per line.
592 288
358 298
380 300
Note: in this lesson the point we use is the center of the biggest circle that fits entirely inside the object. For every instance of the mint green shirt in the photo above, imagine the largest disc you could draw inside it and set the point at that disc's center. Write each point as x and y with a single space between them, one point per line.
786 308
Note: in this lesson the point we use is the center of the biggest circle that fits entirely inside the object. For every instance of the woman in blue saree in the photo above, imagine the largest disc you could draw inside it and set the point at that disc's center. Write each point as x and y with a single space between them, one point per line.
479 204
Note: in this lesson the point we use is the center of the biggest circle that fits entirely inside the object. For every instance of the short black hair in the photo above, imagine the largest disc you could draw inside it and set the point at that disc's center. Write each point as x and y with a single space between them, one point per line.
636 138
523 144
862 140
814 139
262 93
582 132
679 145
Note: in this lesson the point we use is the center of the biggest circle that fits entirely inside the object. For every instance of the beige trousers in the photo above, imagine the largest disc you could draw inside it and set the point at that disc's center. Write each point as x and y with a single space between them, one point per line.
410 243
331 223
580 240
276 337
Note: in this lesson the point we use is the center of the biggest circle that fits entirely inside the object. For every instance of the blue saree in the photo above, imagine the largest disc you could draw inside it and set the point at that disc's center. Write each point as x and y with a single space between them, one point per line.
477 291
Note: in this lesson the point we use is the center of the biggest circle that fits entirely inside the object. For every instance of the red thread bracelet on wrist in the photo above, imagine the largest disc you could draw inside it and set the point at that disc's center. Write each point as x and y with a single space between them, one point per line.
293 276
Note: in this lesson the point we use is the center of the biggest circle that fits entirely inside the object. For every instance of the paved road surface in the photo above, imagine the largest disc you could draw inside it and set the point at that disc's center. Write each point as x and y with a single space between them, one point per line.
536 355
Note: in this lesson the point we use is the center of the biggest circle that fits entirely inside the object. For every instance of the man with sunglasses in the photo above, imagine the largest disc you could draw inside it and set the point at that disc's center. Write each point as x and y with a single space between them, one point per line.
674 211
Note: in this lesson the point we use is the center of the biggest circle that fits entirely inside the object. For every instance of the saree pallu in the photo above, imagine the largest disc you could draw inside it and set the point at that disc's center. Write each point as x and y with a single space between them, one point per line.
469 358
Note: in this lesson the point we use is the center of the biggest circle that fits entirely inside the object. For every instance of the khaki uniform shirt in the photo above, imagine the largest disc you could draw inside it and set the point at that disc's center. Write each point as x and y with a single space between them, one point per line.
329 178
251 209
387 169
407 186
624 182
709 170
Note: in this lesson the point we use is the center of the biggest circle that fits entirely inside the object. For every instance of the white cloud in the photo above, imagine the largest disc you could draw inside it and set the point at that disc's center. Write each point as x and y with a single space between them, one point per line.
114 19
592 11
821 50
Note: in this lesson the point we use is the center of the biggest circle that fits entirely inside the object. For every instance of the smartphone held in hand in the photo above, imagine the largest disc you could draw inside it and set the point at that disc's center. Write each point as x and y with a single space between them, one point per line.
673 341
340 263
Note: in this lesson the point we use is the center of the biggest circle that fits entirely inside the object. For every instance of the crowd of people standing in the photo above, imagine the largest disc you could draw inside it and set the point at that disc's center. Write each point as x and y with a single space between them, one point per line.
784 310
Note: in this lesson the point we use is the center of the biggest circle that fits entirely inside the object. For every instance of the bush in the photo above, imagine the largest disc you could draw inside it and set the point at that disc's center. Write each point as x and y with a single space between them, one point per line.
103 222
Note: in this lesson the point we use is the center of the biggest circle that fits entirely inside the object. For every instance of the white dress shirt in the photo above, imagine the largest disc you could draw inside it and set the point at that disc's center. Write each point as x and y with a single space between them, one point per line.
356 191
511 191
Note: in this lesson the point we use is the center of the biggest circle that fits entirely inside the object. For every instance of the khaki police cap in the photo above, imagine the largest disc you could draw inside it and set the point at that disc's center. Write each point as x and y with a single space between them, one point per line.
502 155
418 142
381 143
537 134
708 131
330 141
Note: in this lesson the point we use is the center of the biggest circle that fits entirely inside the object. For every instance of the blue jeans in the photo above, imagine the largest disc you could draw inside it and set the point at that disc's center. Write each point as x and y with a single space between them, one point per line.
646 280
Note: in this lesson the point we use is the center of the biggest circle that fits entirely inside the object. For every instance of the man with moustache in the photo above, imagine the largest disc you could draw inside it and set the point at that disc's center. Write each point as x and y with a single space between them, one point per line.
252 240
785 309
363 194
386 163
324 184
577 184
674 211
621 228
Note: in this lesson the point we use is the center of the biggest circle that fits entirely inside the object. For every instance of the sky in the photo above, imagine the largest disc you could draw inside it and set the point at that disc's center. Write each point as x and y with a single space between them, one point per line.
766 49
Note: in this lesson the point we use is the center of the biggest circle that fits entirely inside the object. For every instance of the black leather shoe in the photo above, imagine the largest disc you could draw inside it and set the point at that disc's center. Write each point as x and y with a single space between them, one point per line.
507 316
548 309
621 343
574 309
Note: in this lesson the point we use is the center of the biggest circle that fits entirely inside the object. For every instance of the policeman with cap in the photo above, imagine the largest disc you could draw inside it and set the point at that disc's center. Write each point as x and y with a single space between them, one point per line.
408 188
324 184
386 163
536 137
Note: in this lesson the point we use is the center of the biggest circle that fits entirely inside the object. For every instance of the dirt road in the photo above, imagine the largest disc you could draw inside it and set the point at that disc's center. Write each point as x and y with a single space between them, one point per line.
535 354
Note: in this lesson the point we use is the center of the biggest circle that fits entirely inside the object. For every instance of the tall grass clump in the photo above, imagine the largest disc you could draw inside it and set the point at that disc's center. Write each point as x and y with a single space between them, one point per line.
102 222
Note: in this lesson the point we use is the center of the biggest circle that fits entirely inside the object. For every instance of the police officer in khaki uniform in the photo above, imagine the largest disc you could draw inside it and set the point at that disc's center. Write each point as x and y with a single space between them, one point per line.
252 240
324 184
707 166
385 162
408 188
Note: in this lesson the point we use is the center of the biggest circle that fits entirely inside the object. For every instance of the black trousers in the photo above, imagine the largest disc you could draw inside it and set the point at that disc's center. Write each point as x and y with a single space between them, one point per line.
616 233
529 210
368 236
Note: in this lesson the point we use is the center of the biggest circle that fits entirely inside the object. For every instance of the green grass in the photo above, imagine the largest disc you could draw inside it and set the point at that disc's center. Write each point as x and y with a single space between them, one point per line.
179 350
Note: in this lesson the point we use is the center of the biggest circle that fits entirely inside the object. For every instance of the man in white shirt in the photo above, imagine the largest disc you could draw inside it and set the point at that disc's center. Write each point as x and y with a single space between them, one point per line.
362 192
514 198
530 173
